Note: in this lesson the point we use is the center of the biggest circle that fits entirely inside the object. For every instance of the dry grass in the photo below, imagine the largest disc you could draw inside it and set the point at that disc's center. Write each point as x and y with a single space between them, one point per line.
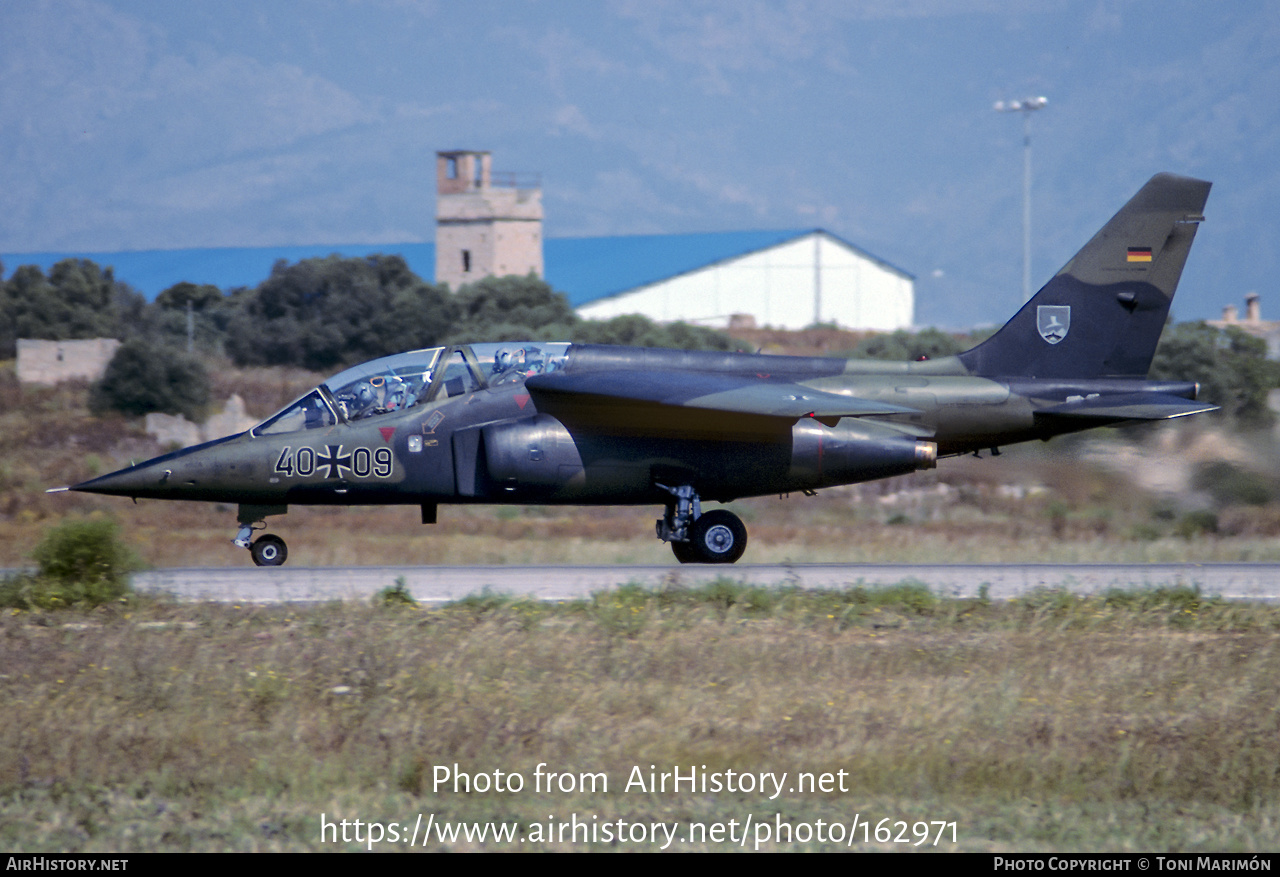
1138 722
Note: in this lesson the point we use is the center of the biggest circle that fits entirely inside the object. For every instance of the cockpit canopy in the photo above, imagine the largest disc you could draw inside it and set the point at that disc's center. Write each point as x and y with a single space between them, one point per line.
395 383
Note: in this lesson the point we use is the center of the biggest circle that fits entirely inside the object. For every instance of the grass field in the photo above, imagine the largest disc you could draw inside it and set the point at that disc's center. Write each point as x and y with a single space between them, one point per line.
1127 722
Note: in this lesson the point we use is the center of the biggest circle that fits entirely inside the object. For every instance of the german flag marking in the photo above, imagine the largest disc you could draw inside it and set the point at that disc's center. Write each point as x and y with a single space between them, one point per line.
1139 254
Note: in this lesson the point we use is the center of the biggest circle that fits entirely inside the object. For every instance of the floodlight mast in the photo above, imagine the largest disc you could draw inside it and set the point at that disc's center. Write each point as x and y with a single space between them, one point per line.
1026 107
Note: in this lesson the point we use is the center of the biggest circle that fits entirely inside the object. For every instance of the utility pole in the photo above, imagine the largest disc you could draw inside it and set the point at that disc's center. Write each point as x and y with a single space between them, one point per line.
1026 107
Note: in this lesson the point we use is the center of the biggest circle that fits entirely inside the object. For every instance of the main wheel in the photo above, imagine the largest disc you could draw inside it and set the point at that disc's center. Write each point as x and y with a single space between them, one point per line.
718 537
268 550
684 552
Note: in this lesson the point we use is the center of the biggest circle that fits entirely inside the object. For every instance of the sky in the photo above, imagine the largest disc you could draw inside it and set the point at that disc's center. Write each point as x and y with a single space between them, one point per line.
148 124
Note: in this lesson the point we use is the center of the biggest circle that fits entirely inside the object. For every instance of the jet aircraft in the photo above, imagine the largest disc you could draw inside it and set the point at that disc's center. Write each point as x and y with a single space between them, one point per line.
561 423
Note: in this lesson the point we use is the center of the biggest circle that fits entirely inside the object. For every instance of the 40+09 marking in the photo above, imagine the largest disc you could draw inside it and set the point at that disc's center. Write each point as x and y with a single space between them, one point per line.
362 462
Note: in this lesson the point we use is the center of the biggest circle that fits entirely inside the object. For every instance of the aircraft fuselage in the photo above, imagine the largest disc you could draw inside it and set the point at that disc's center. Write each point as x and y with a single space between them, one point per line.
539 422
499 445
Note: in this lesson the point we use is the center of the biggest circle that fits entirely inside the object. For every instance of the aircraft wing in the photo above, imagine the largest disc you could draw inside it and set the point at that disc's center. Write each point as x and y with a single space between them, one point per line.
732 394
1127 406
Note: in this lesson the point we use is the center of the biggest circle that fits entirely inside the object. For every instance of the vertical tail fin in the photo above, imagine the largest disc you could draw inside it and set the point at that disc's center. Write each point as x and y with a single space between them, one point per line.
1102 314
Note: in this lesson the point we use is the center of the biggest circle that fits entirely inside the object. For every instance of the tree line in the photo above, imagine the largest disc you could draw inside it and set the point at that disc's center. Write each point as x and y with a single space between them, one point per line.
320 314
325 314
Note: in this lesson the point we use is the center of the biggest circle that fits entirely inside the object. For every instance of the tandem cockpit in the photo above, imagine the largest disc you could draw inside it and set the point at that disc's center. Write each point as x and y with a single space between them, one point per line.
419 377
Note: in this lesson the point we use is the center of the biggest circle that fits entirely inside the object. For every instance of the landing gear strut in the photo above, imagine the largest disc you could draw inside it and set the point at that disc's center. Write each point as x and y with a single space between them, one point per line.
714 537
268 549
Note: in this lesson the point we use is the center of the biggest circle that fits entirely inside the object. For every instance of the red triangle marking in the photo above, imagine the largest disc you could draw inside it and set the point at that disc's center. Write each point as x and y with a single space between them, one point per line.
387 433
521 399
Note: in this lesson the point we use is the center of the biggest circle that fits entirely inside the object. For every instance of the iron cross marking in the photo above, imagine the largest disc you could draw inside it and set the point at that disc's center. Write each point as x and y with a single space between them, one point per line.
335 460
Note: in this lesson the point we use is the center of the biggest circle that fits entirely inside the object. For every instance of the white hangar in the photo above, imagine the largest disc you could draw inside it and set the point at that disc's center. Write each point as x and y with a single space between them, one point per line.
784 279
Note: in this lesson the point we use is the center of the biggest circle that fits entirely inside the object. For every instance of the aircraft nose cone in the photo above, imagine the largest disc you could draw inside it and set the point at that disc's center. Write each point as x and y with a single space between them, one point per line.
141 480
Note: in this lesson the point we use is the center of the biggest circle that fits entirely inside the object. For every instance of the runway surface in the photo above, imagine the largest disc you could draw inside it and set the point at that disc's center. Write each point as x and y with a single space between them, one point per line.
1237 581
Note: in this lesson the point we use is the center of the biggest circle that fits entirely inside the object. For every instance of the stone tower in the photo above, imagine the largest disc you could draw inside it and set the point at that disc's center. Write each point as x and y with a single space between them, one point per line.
487 224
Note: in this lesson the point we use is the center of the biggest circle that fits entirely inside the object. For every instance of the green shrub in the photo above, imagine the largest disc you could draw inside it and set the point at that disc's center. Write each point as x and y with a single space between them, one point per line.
1229 484
1057 513
1144 532
395 595
142 378
903 345
1201 522
81 563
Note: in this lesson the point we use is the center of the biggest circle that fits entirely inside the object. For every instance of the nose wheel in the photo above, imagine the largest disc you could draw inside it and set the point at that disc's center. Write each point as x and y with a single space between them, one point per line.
268 550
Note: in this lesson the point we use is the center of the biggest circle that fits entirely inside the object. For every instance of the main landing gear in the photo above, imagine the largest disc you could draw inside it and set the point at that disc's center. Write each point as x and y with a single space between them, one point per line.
696 537
268 549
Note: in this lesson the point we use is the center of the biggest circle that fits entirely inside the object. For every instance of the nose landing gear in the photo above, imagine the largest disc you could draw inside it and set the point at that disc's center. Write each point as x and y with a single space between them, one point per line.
268 549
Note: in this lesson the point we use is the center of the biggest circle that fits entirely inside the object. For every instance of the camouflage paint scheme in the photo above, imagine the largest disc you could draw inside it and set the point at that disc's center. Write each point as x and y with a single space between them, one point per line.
535 422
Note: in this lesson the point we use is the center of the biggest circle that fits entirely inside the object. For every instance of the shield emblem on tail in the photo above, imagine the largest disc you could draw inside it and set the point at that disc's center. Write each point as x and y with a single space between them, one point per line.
1053 321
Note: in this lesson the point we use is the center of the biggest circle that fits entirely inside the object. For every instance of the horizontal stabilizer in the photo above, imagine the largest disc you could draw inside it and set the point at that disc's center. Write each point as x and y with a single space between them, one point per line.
711 392
1128 406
